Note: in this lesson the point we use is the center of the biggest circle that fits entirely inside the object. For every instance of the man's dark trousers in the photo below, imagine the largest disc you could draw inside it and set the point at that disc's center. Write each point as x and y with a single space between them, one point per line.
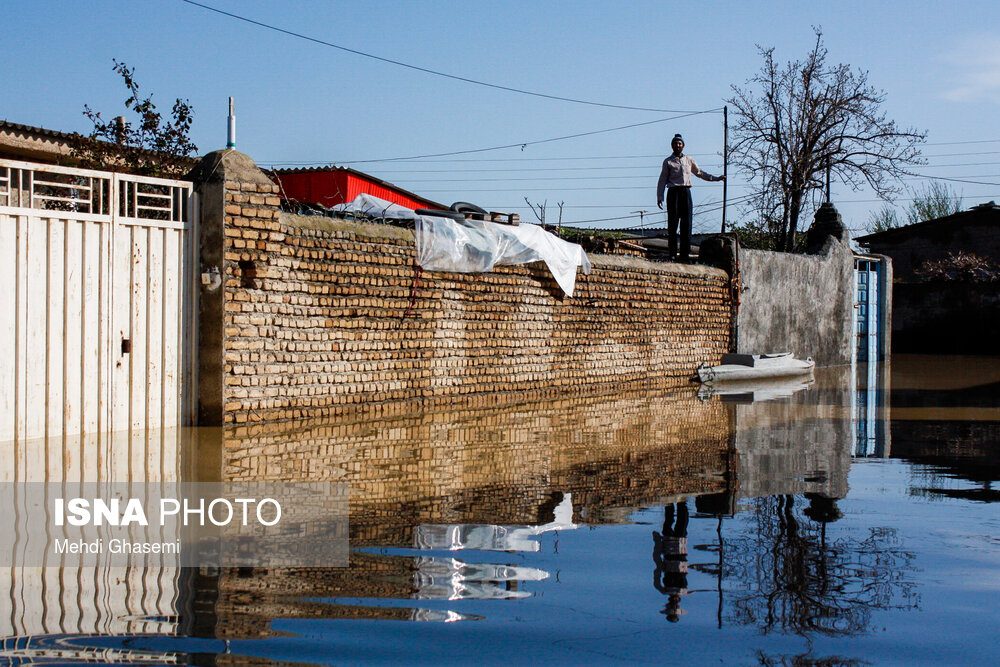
679 212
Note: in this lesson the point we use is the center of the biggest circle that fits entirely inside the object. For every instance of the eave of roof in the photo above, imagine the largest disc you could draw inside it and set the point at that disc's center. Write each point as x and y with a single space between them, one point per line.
29 131
975 212
55 143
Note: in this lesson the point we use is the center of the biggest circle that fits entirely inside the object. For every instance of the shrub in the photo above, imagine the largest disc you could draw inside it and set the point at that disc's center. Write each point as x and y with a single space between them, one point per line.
960 267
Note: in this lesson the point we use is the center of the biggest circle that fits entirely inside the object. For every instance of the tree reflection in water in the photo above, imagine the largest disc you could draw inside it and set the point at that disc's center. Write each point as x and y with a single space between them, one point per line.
807 661
783 574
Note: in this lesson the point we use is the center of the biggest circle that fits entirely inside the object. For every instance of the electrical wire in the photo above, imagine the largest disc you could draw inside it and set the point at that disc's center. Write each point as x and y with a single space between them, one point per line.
956 143
645 167
426 70
533 179
524 144
954 180
555 189
578 157
646 214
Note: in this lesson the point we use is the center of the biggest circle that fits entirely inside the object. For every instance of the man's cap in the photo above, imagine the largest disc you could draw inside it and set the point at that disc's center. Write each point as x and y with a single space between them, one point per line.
677 137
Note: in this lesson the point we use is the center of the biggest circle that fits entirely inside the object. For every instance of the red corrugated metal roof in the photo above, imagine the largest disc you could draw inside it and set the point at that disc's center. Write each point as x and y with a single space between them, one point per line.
331 185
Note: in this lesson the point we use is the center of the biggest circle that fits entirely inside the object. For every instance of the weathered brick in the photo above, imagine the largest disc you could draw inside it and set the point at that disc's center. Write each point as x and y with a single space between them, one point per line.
335 318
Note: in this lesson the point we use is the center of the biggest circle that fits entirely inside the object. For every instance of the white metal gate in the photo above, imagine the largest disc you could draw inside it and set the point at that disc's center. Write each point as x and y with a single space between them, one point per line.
97 301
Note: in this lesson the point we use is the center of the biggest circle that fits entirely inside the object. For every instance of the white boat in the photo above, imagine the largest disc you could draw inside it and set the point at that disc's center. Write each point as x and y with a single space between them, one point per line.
754 367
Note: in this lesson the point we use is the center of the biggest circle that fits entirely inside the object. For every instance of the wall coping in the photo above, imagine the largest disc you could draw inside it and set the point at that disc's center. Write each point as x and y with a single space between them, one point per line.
383 232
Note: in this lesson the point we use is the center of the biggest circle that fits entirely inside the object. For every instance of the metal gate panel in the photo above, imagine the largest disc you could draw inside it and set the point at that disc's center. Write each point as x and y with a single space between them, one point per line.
11 411
154 318
97 304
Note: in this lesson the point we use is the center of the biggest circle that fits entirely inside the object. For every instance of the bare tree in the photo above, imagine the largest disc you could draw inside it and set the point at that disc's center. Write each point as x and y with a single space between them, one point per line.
539 210
785 574
793 122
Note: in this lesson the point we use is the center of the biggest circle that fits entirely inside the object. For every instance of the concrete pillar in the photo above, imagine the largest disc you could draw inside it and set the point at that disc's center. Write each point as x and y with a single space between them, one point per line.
826 223
219 174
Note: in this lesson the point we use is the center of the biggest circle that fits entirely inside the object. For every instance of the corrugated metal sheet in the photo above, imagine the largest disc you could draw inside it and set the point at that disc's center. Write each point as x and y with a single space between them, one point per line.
357 185
330 186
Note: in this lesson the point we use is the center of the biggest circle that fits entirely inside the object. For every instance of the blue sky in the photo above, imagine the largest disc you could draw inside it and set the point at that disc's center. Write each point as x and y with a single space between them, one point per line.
300 103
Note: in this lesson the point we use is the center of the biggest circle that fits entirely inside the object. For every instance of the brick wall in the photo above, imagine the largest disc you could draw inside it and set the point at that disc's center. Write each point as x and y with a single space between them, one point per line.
320 316
471 463
478 461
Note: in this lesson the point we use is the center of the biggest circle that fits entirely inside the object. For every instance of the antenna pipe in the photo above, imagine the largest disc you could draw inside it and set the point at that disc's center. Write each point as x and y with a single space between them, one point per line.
231 135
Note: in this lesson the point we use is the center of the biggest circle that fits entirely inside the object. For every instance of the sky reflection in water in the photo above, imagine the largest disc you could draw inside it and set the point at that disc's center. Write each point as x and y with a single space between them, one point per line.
650 527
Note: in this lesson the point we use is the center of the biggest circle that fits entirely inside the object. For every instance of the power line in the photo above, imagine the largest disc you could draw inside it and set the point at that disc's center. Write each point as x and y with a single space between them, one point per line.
558 159
557 189
556 182
939 166
521 170
957 180
555 159
645 167
524 144
533 179
426 70
956 143
963 154
278 163
583 222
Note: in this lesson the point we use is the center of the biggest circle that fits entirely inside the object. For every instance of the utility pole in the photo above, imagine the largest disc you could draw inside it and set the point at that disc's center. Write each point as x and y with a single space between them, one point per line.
725 162
828 180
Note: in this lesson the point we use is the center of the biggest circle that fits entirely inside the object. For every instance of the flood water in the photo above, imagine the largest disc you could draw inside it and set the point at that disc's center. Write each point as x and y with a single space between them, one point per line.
844 522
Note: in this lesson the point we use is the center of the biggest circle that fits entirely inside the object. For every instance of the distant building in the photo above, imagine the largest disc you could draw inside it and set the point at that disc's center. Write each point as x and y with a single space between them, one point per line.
974 231
27 143
326 186
329 186
955 316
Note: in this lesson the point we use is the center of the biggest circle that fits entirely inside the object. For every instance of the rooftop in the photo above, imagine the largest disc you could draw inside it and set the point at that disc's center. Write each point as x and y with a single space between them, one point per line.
975 213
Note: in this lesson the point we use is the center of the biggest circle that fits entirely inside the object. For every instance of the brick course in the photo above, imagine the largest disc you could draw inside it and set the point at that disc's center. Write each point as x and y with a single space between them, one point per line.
321 316
485 462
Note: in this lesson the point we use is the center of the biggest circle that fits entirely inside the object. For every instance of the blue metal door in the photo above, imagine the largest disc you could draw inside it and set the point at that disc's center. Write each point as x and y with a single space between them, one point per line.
869 353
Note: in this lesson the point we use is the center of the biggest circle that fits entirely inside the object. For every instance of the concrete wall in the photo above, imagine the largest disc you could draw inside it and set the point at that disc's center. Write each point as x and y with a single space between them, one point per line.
799 445
317 316
798 303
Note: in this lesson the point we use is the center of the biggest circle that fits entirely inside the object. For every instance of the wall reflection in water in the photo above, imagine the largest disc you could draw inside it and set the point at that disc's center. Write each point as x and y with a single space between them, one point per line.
445 504
483 479
43 608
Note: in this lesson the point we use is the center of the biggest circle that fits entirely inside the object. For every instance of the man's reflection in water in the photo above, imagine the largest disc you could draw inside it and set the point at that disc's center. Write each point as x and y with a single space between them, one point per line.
670 557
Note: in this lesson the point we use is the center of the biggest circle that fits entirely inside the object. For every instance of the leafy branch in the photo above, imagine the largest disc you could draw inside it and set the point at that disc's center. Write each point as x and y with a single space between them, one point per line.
151 145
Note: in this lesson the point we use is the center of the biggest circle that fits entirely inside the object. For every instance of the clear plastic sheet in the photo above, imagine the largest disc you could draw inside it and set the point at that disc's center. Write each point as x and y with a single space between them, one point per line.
376 208
475 246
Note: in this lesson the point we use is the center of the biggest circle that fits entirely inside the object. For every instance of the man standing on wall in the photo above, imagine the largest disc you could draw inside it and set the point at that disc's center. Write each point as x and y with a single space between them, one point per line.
676 178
